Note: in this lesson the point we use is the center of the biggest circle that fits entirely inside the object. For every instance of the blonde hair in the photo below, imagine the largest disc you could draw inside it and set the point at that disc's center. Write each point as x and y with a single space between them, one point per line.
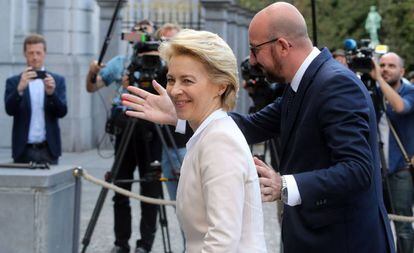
214 53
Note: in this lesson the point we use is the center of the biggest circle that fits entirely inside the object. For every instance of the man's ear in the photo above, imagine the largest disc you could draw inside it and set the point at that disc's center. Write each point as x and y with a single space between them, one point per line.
284 44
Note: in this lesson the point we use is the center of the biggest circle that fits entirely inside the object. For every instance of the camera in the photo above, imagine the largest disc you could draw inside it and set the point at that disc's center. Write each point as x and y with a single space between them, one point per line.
260 90
146 65
252 74
359 55
41 74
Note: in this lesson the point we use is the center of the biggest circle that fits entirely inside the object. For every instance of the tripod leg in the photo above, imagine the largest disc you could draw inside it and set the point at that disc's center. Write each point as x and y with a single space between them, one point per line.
104 192
163 217
164 227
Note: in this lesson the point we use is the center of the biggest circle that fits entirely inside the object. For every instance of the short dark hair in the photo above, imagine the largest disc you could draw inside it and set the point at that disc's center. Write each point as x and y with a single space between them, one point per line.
34 39
144 22
338 52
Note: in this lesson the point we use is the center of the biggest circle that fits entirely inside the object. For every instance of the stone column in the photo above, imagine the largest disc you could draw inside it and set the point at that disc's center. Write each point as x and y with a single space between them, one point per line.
229 21
68 31
216 16
242 23
7 14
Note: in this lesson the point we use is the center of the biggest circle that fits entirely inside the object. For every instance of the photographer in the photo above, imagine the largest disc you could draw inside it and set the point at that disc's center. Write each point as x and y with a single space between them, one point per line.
36 99
399 97
143 148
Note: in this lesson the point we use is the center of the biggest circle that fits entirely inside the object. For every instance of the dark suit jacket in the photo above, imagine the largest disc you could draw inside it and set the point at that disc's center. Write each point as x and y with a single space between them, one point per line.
19 107
329 143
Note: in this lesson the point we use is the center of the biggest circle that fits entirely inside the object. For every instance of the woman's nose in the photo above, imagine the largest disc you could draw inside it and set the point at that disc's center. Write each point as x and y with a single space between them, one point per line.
175 90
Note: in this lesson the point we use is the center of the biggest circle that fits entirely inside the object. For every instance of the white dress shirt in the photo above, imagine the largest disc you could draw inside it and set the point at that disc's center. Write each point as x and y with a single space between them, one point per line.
218 197
37 128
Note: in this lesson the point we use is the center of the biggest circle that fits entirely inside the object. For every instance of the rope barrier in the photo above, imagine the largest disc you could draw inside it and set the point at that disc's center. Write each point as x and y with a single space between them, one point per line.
77 172
400 218
82 173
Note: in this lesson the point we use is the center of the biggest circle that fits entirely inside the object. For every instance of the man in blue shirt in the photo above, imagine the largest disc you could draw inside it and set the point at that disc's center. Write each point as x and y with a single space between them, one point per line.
399 101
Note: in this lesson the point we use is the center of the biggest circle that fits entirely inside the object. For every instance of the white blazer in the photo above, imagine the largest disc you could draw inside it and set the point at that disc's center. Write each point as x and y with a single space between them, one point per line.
218 197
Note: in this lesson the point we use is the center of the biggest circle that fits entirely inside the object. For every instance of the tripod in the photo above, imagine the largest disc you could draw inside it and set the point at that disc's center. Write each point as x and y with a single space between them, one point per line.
119 156
154 177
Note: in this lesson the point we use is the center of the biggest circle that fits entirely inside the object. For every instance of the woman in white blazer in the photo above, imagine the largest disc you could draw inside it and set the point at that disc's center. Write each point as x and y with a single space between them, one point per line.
218 197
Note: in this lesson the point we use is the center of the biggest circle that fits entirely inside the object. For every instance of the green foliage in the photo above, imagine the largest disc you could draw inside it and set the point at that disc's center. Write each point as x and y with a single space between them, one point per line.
254 5
341 19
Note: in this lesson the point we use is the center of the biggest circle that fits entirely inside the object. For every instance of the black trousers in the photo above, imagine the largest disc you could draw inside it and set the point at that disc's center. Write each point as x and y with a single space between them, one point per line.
38 153
143 148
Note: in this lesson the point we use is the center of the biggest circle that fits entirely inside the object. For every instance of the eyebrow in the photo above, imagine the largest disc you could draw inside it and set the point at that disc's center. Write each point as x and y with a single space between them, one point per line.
390 64
182 76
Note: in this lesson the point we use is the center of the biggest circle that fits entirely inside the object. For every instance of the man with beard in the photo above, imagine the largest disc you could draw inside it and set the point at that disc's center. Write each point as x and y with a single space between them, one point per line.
399 97
331 183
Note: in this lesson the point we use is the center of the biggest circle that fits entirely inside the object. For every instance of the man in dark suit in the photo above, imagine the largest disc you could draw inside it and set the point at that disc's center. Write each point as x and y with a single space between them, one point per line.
36 99
331 183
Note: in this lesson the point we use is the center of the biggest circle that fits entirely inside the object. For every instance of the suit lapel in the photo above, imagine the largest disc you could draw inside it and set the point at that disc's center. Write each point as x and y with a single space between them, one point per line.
288 122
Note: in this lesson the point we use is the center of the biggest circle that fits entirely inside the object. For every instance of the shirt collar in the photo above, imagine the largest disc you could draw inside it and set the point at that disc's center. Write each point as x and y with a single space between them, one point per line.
403 83
217 114
301 71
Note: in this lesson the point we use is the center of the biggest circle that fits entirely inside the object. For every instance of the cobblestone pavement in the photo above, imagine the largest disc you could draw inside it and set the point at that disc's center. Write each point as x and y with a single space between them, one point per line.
102 237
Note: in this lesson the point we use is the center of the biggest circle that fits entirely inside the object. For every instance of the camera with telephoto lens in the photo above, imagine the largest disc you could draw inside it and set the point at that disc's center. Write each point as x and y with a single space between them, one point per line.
360 60
260 90
146 65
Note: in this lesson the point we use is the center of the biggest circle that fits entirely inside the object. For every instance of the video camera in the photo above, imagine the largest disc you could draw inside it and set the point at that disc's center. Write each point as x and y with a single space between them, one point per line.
359 55
252 74
146 65
260 90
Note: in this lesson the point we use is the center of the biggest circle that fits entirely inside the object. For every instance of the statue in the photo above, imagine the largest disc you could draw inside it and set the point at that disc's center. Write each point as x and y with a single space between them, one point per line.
372 24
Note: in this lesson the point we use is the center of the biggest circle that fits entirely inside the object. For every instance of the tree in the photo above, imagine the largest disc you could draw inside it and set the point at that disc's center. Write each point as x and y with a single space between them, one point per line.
254 5
341 19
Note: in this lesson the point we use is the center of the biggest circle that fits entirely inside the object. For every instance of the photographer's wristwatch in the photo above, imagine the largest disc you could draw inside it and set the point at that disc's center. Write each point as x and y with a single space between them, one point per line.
284 191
